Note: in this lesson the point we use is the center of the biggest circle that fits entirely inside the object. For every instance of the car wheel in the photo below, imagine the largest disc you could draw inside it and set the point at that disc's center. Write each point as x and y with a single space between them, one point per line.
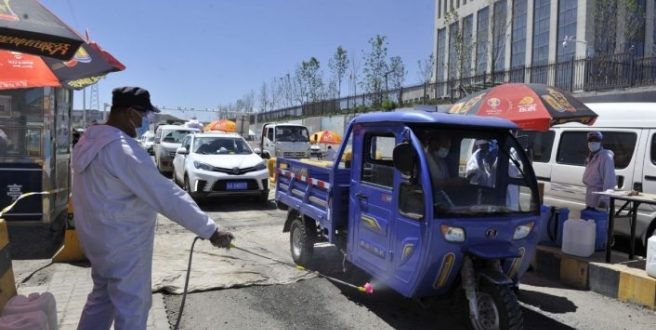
301 242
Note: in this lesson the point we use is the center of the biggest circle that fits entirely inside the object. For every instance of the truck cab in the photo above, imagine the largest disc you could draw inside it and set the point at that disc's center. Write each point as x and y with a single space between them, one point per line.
284 140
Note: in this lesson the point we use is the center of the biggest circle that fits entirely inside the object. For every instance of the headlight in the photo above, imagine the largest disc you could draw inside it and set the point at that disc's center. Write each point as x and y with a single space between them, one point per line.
453 234
203 166
522 231
260 166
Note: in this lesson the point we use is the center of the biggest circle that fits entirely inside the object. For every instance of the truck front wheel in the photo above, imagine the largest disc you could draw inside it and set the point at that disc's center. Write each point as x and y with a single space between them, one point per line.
301 244
497 308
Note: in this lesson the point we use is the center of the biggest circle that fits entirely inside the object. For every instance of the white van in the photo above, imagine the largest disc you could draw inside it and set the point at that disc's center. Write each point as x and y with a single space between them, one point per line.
167 141
284 140
629 130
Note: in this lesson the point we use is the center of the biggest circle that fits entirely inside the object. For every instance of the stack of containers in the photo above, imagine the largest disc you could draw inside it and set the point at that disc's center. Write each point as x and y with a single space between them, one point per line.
30 310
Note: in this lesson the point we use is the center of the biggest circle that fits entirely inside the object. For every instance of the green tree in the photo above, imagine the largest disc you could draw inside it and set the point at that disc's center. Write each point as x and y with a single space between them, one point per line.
309 80
338 65
375 68
396 72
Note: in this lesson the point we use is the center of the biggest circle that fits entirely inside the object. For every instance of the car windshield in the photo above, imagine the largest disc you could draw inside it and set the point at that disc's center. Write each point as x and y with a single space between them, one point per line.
477 173
216 145
292 134
175 136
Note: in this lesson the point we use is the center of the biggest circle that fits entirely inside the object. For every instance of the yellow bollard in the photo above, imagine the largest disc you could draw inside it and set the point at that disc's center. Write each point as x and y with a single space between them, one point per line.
7 281
271 165
71 250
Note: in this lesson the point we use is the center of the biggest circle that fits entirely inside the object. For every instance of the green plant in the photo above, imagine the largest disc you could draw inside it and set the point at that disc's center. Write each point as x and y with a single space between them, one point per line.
388 105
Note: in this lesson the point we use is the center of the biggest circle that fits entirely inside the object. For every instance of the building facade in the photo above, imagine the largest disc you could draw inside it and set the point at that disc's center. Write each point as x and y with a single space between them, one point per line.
580 45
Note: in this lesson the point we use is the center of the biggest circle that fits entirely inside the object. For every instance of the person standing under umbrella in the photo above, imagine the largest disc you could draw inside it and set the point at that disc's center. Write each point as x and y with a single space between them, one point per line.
599 174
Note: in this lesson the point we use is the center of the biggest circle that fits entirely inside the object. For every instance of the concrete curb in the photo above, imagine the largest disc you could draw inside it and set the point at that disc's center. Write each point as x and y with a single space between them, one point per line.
618 281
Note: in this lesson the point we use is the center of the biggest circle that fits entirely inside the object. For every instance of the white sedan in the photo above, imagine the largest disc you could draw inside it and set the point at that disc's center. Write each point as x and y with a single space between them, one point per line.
220 164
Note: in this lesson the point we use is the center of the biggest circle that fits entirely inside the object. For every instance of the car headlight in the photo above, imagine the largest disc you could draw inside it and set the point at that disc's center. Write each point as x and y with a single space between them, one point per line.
453 234
522 231
203 166
260 166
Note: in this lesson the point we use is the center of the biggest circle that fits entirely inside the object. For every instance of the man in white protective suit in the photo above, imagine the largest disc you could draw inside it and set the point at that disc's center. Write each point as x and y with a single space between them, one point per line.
117 193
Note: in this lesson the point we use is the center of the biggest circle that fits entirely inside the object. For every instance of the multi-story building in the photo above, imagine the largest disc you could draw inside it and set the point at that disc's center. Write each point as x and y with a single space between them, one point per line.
590 47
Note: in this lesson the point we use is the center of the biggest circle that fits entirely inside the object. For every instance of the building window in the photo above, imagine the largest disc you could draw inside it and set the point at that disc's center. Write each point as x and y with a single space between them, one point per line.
467 42
482 20
518 43
455 46
566 27
500 28
441 53
540 58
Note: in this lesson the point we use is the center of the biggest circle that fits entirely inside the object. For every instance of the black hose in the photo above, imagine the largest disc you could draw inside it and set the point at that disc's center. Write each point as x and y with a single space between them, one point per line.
184 294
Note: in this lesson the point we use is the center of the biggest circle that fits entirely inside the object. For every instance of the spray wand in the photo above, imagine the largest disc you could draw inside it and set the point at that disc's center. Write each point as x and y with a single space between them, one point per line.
366 288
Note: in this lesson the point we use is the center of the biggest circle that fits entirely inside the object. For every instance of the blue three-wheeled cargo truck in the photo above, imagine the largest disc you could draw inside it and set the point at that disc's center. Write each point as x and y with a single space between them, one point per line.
429 204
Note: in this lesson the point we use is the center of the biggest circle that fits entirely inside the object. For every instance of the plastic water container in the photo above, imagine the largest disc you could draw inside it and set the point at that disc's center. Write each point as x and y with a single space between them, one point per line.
601 220
579 237
651 256
44 302
551 225
25 321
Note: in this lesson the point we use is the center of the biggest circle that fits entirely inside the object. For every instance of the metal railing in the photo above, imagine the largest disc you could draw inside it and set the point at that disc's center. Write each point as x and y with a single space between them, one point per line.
576 75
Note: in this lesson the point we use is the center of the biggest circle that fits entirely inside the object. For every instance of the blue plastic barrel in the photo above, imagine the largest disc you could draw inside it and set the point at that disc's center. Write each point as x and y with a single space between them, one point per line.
551 225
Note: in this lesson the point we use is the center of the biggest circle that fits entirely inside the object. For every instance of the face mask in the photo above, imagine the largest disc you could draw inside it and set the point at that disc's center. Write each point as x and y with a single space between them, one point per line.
442 152
146 119
594 146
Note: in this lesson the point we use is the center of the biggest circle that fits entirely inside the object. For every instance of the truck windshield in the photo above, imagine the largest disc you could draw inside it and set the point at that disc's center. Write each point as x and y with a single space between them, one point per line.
477 173
292 134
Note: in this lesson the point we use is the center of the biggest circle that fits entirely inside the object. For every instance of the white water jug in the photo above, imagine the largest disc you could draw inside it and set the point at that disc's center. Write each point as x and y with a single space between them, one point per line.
44 302
25 321
651 256
579 237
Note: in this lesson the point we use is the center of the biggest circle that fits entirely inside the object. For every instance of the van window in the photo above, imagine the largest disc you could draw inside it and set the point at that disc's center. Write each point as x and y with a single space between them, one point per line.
573 147
377 166
540 144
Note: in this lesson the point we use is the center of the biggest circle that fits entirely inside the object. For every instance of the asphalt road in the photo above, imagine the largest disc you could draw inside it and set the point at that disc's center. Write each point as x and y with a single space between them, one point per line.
321 304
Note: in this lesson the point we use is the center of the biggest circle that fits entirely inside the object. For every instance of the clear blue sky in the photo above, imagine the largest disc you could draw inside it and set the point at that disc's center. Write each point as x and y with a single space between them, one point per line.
202 53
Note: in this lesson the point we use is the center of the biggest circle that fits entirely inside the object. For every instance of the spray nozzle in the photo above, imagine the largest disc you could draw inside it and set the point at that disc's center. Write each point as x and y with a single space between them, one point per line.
366 288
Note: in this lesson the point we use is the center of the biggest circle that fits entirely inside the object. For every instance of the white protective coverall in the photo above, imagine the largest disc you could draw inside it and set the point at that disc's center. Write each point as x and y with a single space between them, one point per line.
599 175
117 193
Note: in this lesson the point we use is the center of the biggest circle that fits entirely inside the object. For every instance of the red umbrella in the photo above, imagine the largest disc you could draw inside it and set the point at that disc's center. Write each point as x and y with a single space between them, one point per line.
28 27
530 106
90 64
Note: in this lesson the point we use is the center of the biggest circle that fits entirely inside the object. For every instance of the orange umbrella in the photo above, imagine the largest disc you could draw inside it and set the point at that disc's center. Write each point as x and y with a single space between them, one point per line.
223 125
327 137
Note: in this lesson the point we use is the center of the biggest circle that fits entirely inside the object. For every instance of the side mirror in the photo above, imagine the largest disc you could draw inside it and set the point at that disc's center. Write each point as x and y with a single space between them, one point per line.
257 151
182 151
265 155
404 158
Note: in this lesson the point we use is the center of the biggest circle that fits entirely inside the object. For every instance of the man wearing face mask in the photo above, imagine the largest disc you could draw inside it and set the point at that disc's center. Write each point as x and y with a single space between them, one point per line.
599 174
117 193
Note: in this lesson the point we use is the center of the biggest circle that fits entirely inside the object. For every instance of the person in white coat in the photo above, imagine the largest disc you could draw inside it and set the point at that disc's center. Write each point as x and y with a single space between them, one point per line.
117 193
599 174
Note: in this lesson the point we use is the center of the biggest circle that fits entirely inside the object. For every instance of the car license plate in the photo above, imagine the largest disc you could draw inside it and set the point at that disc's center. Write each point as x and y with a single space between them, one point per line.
236 185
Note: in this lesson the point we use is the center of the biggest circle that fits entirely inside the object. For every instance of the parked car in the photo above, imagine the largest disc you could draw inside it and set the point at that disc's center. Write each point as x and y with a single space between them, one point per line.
220 164
629 130
167 141
147 140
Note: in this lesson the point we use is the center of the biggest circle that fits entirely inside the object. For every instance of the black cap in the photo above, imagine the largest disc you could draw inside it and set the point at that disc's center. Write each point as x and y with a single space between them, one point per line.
135 97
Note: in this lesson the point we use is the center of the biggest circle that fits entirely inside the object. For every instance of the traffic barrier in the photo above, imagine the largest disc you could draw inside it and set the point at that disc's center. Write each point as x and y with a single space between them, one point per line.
618 281
71 249
7 281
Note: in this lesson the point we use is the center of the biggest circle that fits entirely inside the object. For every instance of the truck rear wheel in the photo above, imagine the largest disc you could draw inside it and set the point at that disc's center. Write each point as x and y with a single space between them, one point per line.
498 308
301 243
